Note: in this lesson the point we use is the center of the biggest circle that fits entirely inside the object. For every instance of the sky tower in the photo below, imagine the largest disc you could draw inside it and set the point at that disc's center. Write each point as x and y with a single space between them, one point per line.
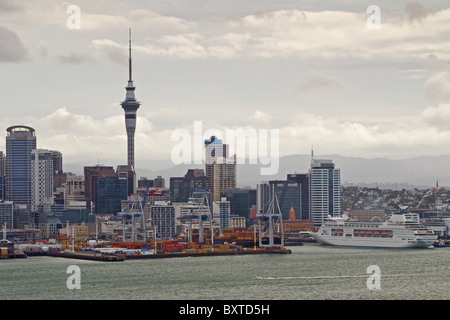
130 106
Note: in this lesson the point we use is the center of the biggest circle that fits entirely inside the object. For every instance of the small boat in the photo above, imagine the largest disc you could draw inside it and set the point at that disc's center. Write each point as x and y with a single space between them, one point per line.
441 244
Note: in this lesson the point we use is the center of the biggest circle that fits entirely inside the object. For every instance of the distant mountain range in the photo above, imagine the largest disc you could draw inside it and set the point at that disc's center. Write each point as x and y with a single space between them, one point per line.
420 172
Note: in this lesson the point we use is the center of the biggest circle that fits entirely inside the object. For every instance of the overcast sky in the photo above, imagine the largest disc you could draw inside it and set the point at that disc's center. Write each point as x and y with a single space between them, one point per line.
314 70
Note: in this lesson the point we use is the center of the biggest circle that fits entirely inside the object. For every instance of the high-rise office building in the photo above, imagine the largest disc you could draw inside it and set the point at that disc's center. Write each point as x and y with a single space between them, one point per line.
324 191
130 106
2 176
143 182
74 190
181 188
7 214
159 182
57 161
241 201
126 171
2 164
59 177
20 141
224 178
110 193
291 193
302 179
220 169
91 174
178 189
41 180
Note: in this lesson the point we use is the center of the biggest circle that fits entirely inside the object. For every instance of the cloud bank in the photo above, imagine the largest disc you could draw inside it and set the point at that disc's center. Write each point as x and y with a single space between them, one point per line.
11 48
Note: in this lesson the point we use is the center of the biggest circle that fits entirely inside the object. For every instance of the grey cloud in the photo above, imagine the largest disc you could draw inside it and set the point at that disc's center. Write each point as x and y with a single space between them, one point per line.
117 55
12 48
9 6
313 81
436 63
74 58
416 11
42 51
112 50
437 87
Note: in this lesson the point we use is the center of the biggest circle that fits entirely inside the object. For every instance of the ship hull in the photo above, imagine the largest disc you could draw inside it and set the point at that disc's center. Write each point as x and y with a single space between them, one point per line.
374 243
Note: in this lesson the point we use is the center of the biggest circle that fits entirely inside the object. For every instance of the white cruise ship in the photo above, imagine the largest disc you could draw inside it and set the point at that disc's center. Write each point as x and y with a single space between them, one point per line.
396 232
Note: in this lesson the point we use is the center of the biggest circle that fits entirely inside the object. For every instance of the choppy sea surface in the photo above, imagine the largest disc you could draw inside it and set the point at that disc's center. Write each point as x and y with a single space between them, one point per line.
311 272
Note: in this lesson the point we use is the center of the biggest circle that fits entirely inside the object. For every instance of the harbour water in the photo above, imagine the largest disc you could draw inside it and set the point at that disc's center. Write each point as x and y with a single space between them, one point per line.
311 272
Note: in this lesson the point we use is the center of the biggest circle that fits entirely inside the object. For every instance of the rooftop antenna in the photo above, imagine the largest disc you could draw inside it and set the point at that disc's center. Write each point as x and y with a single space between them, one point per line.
129 57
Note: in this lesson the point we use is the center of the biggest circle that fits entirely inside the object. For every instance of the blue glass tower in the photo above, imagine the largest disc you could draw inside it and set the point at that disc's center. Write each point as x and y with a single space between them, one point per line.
20 141
110 192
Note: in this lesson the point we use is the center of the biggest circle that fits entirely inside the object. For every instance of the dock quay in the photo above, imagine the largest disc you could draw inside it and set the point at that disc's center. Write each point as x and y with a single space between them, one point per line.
15 255
8 251
156 249
121 257
86 256
205 254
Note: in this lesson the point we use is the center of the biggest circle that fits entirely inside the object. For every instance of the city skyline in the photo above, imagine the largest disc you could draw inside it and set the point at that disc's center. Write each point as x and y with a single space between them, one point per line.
316 72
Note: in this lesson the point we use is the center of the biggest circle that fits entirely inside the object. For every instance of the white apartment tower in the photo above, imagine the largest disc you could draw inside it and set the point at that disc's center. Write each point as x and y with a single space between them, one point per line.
162 217
324 191
221 213
41 180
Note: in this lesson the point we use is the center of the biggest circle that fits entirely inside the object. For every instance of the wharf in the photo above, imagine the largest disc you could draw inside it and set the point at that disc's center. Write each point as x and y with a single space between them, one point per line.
205 254
121 257
14 256
86 256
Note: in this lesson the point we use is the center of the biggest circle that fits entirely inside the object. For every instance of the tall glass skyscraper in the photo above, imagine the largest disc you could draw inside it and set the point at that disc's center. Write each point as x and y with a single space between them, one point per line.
324 191
110 192
291 193
20 141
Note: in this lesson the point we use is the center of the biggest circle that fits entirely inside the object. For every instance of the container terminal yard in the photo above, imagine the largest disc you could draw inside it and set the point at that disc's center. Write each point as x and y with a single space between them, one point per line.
198 239
233 241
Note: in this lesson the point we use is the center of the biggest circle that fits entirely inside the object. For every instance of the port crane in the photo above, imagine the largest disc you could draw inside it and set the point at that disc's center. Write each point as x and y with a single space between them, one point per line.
135 212
198 213
270 221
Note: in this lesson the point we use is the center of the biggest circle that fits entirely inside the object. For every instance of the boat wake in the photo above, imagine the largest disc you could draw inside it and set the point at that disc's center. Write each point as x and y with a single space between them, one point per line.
331 277
312 277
